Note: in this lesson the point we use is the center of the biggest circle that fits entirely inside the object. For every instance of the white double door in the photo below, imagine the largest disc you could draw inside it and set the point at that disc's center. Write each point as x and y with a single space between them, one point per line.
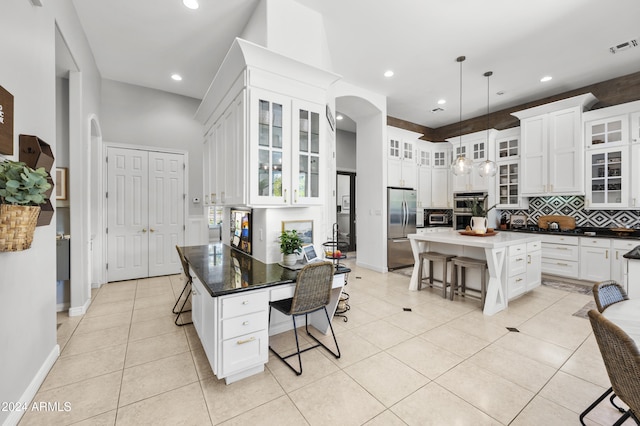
145 213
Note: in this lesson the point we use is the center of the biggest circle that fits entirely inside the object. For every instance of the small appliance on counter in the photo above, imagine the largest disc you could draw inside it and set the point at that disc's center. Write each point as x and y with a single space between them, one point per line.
518 221
557 223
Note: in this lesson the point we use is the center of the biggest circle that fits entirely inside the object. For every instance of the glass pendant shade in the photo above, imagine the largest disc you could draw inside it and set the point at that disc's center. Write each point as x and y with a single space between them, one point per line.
487 168
462 166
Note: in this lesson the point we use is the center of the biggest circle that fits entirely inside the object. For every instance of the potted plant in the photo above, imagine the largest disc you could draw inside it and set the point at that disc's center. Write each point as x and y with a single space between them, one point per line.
22 190
290 246
479 214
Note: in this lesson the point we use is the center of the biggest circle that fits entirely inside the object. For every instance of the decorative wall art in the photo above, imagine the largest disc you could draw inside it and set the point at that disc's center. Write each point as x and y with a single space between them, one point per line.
330 119
6 122
304 228
61 183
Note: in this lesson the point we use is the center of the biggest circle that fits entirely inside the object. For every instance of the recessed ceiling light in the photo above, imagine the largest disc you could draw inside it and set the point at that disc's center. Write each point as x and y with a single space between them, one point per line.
388 73
339 117
176 77
546 78
442 101
191 4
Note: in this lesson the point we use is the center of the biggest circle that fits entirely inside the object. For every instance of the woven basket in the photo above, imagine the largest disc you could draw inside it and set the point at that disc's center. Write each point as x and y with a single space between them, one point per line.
17 225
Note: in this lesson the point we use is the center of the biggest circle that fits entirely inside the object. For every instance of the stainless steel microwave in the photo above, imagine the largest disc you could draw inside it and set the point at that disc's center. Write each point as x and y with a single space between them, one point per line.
438 219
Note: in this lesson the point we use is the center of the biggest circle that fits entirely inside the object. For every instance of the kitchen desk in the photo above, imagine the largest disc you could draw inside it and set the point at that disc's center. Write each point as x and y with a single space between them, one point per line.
230 307
492 248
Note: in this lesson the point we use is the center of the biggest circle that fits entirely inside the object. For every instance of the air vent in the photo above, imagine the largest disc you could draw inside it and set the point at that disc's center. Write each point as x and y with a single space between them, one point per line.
624 46
437 110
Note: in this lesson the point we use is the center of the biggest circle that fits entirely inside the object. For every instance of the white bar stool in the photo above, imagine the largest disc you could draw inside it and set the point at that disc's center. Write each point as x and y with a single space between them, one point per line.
434 256
460 286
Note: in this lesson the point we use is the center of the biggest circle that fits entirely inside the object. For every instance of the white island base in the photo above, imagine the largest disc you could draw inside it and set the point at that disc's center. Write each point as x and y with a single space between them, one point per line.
495 250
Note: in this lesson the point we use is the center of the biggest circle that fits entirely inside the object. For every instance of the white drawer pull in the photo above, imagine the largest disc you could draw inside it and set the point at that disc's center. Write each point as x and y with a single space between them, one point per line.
520 259
242 342
518 280
562 264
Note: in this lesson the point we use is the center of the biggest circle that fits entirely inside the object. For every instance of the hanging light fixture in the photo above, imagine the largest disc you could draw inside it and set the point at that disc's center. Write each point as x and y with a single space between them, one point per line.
461 165
487 168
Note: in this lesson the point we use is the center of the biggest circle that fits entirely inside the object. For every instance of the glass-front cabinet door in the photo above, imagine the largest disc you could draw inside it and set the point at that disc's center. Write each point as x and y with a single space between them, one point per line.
607 132
508 194
607 178
307 153
270 148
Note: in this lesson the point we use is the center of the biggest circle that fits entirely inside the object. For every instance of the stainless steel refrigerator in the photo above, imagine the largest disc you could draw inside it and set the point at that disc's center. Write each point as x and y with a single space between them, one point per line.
401 221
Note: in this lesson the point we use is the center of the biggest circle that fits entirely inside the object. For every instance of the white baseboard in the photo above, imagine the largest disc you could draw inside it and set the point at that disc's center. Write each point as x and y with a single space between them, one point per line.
372 267
32 389
80 310
61 307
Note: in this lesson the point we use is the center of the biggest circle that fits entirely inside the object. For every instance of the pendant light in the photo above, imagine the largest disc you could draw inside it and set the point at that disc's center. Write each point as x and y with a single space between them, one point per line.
487 168
461 165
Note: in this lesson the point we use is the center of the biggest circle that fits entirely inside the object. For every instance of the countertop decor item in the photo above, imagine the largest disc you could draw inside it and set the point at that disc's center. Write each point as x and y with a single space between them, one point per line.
290 245
564 223
22 190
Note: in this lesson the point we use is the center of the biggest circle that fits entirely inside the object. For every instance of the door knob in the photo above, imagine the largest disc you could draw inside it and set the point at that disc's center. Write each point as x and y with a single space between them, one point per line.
144 230
152 230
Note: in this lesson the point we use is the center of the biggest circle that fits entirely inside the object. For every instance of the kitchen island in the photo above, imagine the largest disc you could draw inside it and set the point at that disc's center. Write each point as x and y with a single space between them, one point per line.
513 261
230 307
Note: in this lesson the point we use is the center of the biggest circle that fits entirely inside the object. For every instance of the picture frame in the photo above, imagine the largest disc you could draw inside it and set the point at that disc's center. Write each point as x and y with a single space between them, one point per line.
304 228
346 204
6 122
61 183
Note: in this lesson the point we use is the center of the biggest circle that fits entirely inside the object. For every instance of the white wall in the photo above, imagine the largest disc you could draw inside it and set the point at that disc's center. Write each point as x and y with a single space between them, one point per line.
28 281
140 116
345 151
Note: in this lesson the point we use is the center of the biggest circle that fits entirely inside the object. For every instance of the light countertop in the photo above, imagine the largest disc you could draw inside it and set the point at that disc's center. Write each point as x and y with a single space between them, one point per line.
501 239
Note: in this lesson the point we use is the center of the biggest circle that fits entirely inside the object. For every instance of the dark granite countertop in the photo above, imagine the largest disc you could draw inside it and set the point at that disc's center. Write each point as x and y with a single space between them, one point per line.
224 270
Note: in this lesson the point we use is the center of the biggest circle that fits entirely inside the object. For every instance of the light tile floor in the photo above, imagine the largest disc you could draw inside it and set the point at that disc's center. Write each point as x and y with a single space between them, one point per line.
442 363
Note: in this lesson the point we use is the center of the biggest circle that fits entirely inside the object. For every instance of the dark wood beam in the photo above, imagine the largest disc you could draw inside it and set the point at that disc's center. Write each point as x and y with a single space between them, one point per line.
610 92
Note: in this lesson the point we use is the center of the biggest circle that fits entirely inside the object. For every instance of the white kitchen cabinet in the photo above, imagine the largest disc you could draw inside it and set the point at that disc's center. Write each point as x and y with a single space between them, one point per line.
561 255
534 265
634 121
224 147
595 259
508 186
552 155
265 114
618 263
606 132
608 178
441 193
401 158
424 187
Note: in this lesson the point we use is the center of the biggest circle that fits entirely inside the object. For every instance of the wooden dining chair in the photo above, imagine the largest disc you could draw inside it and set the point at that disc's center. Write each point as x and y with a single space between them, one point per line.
312 293
622 361
607 293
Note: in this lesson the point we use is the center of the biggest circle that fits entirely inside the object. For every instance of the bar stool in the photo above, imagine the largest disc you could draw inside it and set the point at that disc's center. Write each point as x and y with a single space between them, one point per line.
434 256
461 288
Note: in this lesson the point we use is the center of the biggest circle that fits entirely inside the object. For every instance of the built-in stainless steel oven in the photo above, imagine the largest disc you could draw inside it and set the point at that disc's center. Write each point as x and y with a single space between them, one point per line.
461 209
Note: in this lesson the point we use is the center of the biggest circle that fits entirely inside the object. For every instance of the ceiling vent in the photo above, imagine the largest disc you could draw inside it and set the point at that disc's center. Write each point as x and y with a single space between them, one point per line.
437 110
624 46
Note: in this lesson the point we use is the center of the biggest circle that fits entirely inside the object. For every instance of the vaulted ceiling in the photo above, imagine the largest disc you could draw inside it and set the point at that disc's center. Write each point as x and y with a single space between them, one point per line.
143 42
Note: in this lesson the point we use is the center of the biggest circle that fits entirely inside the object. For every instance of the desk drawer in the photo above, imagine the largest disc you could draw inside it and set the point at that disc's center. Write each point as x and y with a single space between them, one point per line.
560 267
533 246
595 242
516 285
238 326
245 303
243 352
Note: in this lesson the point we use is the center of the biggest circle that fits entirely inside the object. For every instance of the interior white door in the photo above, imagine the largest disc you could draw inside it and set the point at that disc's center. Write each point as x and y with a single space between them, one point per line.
166 212
145 206
127 214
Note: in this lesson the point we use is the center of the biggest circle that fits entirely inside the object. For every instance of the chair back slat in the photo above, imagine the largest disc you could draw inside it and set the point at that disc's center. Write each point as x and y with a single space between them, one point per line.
607 293
313 288
621 359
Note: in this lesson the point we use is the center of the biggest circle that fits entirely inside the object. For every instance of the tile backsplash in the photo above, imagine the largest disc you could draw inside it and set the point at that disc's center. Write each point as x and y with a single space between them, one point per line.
574 206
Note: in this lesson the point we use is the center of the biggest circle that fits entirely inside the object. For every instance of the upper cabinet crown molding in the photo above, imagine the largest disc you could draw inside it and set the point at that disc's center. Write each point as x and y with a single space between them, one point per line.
585 101
245 55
